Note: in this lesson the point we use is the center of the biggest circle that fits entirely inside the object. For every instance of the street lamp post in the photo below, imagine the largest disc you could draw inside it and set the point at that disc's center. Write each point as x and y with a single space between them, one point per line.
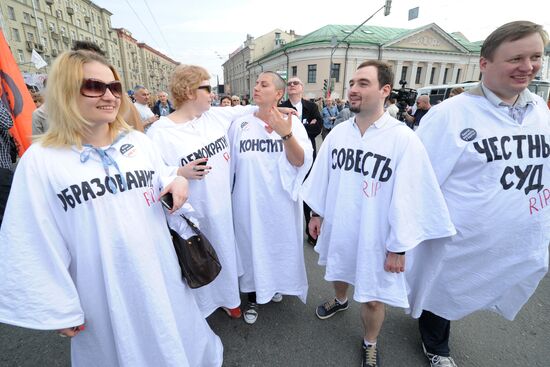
386 6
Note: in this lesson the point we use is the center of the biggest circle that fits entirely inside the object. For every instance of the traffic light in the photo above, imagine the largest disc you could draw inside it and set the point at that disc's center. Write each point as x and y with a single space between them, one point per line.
325 85
387 8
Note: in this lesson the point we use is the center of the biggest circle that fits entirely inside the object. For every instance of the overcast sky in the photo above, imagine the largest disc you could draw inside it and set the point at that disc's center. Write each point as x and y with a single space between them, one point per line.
204 32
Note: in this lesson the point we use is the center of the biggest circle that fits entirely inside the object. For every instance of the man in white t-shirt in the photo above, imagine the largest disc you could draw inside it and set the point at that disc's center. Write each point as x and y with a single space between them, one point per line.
377 195
489 148
141 94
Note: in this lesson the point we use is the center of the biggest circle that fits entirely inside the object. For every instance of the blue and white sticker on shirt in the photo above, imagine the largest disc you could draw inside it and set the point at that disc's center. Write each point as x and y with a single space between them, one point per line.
468 134
244 125
128 150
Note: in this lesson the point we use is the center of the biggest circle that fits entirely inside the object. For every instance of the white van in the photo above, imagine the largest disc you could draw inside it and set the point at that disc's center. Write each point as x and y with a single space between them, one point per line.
439 93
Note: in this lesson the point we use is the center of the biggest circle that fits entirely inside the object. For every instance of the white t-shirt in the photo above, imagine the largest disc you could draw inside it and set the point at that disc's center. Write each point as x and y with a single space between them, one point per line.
179 144
144 111
376 193
393 110
298 107
267 211
495 177
73 252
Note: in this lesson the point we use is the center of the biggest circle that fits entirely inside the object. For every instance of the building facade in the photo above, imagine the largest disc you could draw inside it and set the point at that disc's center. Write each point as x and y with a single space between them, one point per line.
236 68
51 27
423 56
157 68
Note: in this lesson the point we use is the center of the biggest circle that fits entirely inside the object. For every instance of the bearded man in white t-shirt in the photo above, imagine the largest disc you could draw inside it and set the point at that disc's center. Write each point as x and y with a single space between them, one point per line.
375 196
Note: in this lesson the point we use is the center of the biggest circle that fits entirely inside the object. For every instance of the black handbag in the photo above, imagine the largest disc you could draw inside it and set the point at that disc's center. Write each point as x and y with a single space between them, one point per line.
198 260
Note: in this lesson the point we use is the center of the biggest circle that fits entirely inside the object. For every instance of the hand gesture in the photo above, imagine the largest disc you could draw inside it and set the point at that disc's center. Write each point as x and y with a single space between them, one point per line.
394 263
179 188
71 331
195 170
277 122
314 227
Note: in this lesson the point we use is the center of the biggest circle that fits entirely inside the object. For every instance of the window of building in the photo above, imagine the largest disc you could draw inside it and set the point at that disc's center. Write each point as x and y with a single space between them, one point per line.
458 76
73 35
445 74
26 17
294 70
36 4
312 73
11 13
15 34
44 41
63 31
404 70
418 74
40 23
78 23
30 37
52 26
59 14
335 73
432 76
21 55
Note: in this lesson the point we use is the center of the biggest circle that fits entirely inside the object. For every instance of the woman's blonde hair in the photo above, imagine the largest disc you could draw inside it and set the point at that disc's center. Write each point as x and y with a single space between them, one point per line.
185 81
67 126
132 116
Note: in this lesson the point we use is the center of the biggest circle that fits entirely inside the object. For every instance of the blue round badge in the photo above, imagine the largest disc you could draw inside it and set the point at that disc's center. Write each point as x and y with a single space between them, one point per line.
468 134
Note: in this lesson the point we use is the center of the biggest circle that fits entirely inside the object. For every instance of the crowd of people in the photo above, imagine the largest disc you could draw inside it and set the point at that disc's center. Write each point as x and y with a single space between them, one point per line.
462 195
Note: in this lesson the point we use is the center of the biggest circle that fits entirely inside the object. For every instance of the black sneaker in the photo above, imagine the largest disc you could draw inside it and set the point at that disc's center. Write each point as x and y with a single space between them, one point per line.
329 308
370 356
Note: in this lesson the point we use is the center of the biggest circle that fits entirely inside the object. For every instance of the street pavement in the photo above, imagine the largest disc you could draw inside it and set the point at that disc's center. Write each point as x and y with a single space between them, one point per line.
289 334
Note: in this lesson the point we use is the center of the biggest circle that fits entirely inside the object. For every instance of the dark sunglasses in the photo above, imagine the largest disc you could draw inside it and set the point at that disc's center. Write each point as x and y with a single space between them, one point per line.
207 88
294 82
95 88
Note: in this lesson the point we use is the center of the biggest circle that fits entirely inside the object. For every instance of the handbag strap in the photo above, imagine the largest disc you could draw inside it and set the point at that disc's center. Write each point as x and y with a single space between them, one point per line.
192 225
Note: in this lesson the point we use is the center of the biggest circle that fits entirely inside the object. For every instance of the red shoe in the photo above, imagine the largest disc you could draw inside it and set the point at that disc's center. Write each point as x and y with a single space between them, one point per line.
234 313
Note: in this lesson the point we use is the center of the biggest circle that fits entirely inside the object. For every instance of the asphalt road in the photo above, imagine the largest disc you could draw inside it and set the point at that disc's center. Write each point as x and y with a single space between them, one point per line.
289 334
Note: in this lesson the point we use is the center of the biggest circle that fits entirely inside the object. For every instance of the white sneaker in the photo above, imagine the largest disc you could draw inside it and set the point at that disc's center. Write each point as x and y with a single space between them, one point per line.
278 297
251 314
438 361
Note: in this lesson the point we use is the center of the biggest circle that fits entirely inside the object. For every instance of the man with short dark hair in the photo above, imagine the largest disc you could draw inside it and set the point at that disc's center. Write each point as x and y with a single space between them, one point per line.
88 46
374 188
490 150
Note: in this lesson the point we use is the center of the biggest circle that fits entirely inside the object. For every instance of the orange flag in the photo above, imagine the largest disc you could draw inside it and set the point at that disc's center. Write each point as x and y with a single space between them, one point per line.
15 96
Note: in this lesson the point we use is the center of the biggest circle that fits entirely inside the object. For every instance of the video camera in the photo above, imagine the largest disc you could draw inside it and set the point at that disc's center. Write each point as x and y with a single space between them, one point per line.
405 97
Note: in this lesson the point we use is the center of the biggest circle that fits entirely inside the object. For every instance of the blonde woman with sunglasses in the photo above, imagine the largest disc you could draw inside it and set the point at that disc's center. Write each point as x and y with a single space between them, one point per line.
84 243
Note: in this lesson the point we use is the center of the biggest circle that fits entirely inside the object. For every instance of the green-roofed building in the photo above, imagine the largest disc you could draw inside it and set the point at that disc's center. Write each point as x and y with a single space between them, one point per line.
422 56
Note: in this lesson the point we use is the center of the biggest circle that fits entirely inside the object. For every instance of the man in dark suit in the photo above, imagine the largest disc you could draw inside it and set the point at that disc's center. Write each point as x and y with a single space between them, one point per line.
309 114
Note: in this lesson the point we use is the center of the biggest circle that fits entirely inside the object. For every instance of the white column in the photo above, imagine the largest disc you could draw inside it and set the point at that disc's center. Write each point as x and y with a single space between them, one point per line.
453 75
428 74
441 73
397 74
414 67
